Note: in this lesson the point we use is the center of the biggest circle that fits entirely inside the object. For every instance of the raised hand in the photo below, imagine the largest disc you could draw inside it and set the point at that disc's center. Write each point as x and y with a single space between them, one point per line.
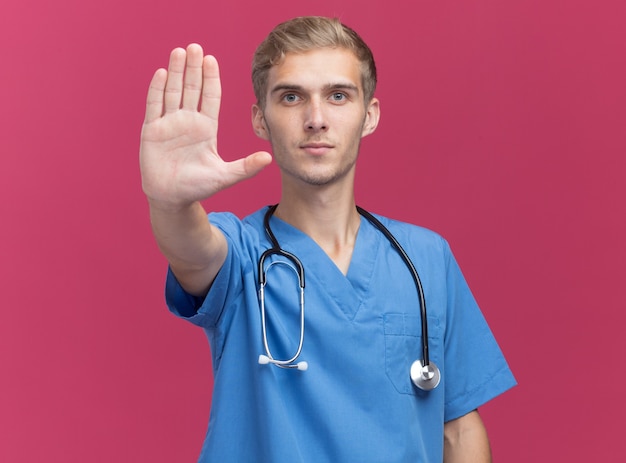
179 160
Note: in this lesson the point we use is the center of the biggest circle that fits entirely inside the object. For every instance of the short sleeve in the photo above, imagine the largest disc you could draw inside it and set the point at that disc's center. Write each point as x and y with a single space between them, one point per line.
475 368
205 312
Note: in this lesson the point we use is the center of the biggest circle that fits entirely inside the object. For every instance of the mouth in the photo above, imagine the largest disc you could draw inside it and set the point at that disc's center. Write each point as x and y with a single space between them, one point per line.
316 148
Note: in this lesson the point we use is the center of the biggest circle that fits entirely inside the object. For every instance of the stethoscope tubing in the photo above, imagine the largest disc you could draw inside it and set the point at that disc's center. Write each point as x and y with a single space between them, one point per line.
299 270
416 278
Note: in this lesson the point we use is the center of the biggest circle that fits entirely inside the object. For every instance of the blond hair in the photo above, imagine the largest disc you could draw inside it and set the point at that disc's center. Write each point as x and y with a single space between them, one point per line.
306 33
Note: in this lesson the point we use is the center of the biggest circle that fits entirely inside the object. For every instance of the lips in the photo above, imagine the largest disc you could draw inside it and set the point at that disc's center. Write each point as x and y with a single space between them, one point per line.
316 148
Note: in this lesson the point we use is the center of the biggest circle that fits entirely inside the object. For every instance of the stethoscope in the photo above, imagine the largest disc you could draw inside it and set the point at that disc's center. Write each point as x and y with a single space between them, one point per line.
424 373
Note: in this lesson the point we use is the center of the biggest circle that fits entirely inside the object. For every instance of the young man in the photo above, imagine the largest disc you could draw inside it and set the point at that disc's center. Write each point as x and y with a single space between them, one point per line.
322 374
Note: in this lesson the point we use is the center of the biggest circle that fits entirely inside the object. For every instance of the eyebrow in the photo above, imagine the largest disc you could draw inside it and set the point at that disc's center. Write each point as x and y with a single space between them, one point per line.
300 88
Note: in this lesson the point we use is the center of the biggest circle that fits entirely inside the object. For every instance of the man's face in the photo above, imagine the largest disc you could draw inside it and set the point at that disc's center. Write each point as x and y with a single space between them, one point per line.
315 115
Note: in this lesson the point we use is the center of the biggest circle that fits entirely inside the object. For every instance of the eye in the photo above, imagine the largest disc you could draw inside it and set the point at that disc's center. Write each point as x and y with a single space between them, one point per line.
290 98
338 97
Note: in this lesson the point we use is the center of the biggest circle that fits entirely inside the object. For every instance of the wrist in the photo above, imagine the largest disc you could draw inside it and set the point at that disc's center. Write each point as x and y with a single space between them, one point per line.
161 206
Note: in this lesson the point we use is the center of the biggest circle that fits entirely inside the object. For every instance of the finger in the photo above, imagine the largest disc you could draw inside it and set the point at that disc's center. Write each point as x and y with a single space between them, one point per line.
249 166
174 85
154 101
211 88
193 77
254 163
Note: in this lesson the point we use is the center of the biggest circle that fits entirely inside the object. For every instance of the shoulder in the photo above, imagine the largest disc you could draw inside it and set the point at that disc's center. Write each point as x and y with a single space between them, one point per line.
414 236
231 224
245 235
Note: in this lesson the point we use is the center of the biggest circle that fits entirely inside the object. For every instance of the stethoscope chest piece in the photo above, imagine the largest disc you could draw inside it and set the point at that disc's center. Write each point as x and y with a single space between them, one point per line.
425 377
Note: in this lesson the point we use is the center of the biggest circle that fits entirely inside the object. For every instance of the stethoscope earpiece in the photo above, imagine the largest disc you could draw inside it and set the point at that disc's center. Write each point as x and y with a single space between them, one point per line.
425 377
302 366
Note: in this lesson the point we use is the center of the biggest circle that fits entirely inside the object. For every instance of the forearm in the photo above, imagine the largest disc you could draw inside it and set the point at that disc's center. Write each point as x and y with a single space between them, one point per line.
194 248
466 441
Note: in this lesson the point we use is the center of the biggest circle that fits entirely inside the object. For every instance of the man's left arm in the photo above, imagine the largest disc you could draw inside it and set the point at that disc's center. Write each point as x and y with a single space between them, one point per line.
465 440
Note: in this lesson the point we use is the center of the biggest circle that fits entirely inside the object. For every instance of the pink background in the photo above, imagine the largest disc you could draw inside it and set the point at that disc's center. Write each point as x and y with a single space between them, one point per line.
503 129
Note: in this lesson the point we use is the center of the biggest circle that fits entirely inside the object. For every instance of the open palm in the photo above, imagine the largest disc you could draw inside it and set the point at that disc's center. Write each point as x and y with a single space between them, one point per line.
179 159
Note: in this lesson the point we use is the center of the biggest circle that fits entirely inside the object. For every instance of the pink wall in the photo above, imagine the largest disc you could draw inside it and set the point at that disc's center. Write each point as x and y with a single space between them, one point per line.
503 129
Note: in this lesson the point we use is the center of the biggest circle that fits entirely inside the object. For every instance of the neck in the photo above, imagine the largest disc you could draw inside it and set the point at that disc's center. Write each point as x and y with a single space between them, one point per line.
329 217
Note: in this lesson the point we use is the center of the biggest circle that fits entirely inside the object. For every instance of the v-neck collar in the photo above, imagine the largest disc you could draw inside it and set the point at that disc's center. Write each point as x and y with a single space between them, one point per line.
348 291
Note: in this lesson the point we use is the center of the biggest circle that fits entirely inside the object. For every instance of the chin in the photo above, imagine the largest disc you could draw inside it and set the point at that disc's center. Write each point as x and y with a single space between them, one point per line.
324 178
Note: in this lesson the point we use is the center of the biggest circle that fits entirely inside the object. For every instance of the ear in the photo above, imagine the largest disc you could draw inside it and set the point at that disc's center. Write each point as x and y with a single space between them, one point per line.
372 116
258 122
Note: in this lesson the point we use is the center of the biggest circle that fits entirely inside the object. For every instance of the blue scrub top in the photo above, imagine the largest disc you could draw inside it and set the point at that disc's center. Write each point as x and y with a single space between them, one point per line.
356 402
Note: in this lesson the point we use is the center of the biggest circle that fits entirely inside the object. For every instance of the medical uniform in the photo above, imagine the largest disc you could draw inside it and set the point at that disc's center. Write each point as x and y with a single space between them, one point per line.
356 401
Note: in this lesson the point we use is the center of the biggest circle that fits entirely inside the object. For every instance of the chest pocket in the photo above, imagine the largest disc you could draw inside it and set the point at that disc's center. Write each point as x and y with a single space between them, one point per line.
403 345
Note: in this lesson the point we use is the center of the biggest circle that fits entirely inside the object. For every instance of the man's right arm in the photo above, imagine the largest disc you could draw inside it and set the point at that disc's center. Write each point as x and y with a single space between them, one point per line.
194 248
180 166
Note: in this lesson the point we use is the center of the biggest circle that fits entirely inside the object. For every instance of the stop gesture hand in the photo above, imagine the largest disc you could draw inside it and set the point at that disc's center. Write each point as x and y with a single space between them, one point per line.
179 160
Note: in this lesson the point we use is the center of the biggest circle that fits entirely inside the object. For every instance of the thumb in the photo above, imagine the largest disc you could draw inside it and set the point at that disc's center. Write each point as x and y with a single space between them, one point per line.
249 166
256 162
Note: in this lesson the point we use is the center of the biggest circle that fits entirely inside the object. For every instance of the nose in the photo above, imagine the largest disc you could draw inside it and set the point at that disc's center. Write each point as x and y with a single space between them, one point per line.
315 119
